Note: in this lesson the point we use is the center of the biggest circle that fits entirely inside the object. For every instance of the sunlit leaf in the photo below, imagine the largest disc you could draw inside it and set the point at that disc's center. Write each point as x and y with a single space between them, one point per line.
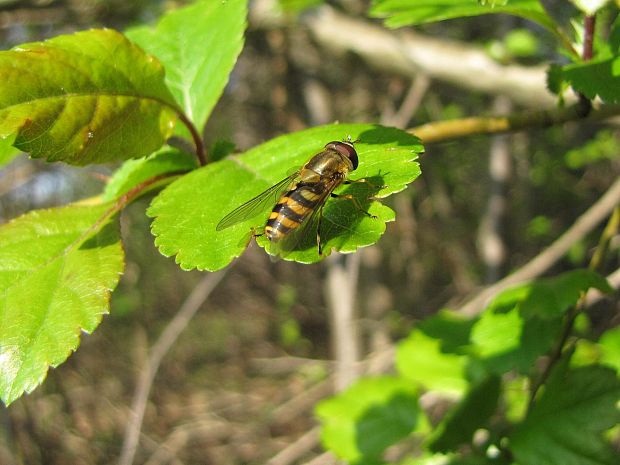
187 212
198 45
505 340
89 97
57 270
419 359
371 415
7 151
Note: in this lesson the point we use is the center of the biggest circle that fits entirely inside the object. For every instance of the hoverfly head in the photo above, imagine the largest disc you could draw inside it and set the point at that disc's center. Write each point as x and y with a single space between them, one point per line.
346 149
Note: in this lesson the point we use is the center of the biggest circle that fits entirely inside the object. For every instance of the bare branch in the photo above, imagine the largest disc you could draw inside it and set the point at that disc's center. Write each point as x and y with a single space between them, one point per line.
406 53
167 338
542 262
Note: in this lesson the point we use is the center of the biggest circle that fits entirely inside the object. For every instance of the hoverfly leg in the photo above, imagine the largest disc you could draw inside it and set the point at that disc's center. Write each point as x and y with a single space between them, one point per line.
318 232
356 203
365 181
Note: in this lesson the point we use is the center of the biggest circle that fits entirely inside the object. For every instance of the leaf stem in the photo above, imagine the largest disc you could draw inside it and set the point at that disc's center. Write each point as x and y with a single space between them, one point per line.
201 153
589 24
127 198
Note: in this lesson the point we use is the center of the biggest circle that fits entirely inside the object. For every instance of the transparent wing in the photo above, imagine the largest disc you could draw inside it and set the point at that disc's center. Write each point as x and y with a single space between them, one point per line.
305 236
258 204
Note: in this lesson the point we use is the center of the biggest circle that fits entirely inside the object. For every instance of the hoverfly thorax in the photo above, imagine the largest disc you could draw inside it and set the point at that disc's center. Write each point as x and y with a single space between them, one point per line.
346 149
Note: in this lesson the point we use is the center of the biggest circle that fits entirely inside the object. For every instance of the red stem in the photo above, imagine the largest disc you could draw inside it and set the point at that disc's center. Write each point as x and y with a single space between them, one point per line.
200 149
589 24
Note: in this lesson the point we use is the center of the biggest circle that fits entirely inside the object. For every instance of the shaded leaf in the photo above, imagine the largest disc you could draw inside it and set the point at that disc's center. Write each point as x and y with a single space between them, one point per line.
596 78
405 12
89 97
57 269
467 416
187 212
566 424
198 46
165 161
452 328
550 297
374 413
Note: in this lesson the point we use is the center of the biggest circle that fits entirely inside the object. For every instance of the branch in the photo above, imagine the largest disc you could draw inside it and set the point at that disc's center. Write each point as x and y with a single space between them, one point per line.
408 54
167 338
542 262
454 129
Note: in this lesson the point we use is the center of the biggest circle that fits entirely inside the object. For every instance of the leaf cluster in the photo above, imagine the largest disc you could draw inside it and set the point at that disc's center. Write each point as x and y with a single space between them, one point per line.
101 96
486 368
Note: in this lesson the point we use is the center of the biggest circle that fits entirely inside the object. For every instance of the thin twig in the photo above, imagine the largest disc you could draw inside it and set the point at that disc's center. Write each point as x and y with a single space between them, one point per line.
543 261
299 448
559 349
340 289
411 102
443 131
165 341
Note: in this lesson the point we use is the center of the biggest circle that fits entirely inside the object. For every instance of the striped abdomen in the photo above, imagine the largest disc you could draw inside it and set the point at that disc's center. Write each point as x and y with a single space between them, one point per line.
293 208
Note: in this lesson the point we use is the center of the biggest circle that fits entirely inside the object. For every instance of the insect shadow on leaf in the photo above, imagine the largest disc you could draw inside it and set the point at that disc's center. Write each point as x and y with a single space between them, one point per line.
298 200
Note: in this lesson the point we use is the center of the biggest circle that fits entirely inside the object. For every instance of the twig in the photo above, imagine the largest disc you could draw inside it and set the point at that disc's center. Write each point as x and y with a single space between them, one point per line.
443 131
408 54
297 449
326 458
165 341
340 290
410 103
556 354
543 261
490 241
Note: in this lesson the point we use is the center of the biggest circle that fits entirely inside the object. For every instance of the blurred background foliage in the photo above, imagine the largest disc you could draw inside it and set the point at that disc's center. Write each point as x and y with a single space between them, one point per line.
263 336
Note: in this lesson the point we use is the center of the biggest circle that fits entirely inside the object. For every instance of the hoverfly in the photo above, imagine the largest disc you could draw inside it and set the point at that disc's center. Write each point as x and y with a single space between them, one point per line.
301 196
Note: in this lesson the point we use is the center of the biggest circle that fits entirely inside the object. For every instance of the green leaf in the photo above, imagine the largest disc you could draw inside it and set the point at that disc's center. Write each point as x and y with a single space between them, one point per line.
419 358
603 146
596 77
198 45
57 269
405 12
167 160
506 341
467 416
89 97
7 151
374 413
566 424
550 298
297 6
452 328
187 212
610 348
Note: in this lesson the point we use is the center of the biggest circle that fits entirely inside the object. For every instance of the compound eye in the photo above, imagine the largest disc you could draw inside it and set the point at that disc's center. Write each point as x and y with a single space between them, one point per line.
346 149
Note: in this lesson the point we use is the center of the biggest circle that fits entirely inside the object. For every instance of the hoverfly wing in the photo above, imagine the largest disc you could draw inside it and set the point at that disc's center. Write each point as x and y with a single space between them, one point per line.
258 204
306 235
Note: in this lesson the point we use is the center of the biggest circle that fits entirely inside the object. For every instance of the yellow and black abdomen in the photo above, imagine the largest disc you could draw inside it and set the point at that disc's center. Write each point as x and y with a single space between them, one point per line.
293 208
